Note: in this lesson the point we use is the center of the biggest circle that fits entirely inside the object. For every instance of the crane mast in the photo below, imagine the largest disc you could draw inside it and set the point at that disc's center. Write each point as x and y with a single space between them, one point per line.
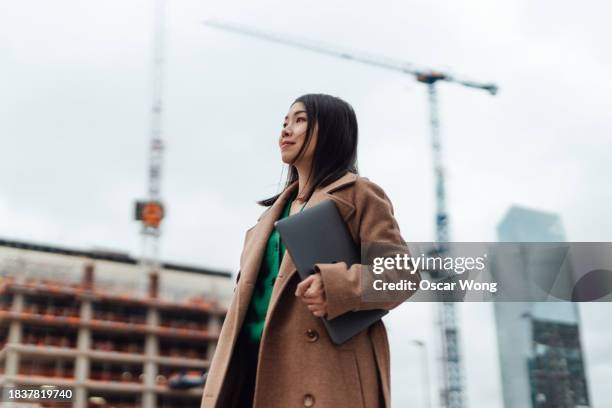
150 211
452 390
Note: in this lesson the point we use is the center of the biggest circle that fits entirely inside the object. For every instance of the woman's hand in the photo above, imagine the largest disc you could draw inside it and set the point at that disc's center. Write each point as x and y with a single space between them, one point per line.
312 293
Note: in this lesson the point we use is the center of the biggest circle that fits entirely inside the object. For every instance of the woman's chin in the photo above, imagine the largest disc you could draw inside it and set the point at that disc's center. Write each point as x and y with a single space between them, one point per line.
287 158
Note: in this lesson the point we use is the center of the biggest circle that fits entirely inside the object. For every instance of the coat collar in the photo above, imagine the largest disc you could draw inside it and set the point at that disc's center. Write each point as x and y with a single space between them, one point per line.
317 196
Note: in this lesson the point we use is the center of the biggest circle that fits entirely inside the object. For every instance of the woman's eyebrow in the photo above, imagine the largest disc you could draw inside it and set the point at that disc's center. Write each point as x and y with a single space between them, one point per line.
302 111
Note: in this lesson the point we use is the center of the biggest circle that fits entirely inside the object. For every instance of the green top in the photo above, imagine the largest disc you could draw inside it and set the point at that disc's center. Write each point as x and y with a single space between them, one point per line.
256 314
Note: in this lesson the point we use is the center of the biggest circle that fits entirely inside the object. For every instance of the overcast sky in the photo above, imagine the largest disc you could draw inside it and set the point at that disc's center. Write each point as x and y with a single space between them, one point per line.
75 99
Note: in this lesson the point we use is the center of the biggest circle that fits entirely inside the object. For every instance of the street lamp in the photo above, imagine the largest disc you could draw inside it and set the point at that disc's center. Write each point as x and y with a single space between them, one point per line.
425 363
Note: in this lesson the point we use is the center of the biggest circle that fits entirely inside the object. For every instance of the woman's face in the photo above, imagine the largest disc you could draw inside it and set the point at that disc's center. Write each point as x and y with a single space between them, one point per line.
293 135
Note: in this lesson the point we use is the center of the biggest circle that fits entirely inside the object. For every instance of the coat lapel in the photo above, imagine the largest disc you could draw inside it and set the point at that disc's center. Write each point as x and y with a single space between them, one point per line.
255 249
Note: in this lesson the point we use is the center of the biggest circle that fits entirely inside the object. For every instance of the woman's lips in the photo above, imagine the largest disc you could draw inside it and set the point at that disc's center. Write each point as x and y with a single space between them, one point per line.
285 145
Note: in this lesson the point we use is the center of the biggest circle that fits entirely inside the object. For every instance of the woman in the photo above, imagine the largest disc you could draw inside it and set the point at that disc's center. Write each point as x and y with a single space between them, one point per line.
273 350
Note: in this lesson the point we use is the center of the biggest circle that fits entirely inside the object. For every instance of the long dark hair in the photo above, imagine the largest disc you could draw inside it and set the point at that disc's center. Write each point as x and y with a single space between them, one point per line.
336 149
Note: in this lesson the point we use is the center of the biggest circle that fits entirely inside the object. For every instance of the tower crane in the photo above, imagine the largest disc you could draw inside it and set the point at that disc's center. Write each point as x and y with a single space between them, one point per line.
150 211
452 390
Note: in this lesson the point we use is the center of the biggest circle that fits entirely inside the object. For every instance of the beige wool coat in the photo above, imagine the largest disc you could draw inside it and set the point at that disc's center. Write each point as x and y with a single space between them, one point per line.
298 364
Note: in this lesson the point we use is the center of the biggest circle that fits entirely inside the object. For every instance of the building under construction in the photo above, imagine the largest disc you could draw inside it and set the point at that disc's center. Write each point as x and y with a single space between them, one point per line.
92 322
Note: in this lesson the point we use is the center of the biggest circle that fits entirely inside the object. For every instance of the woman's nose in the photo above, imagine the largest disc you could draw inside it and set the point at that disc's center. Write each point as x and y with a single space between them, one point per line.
286 132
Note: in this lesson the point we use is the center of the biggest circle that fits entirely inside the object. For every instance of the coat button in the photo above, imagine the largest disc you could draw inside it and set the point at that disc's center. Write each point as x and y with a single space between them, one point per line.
312 335
309 400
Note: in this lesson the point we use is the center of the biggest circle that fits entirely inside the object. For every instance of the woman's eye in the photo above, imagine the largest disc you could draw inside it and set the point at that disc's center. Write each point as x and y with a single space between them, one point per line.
298 119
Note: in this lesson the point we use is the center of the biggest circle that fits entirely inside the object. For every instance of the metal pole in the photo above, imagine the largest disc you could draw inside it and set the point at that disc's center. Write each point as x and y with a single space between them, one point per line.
425 363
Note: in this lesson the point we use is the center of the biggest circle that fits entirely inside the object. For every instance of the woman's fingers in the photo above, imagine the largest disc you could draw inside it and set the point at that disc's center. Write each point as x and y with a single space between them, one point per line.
304 285
311 287
318 311
315 289
312 293
318 300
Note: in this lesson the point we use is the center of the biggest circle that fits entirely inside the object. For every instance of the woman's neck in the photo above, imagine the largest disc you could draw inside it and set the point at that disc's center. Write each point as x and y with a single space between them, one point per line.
303 182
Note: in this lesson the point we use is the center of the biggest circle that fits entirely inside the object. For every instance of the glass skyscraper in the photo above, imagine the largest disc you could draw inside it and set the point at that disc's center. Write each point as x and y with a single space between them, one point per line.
539 343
